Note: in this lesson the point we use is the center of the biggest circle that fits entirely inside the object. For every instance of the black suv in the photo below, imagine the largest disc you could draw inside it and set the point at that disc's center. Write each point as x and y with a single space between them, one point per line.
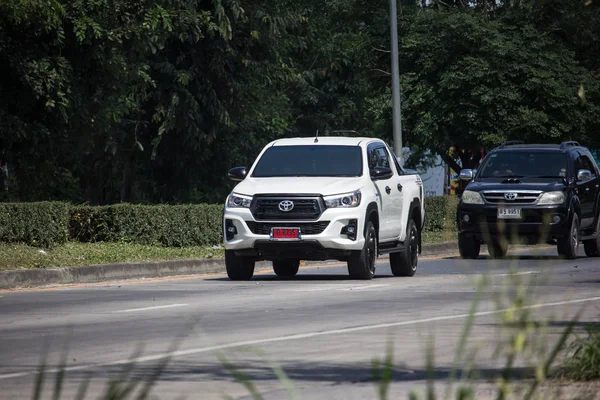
531 193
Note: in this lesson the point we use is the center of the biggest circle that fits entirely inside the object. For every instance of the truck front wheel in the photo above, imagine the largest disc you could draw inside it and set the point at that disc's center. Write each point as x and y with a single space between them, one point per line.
286 268
468 247
404 263
361 264
238 268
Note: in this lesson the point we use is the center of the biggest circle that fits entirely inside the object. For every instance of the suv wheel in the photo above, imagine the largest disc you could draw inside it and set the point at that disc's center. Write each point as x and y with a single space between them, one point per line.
498 248
568 246
592 246
361 264
405 262
286 268
238 268
468 246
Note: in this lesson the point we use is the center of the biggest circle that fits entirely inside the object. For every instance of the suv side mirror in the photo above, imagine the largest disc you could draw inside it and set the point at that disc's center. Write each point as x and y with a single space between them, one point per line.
466 174
379 173
584 175
237 174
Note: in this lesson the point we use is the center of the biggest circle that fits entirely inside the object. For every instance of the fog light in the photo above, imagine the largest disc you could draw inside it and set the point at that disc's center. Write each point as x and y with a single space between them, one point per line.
350 229
230 229
466 218
556 219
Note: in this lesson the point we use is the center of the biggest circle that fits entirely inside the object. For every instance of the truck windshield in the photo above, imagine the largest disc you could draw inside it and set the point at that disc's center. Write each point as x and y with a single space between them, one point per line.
310 160
541 164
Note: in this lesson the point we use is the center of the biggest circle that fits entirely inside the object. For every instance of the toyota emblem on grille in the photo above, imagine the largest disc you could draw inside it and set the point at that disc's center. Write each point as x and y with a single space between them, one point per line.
286 205
510 196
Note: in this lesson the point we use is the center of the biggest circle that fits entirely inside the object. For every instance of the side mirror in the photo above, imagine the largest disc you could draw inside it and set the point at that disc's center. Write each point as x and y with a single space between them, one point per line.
237 174
584 175
379 173
466 174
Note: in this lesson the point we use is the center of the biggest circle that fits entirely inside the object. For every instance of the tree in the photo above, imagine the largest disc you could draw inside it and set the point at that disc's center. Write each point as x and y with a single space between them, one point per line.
470 83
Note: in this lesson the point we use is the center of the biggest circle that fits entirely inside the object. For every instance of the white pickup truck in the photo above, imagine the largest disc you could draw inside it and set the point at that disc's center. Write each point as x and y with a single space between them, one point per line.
323 198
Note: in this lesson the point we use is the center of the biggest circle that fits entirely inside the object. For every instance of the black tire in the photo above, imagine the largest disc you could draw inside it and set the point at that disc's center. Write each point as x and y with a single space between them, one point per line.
592 246
468 247
238 268
498 248
568 246
405 263
286 268
361 264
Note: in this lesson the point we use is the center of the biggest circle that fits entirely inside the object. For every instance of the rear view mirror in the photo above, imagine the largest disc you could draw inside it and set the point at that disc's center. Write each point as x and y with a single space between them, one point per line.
466 174
237 174
379 173
584 175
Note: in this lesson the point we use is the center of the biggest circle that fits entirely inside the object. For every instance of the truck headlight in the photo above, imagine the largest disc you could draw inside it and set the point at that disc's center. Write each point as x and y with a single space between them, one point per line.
343 200
238 201
471 197
547 198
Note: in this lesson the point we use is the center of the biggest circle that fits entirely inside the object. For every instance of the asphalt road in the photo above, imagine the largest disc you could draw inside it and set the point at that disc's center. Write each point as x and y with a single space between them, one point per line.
322 328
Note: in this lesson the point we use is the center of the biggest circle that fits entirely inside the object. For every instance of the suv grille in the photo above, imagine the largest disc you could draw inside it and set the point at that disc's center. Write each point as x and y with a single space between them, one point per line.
269 208
306 228
508 197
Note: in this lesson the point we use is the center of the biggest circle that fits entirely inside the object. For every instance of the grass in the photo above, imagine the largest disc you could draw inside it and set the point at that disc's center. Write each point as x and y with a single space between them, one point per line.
74 254
18 256
583 364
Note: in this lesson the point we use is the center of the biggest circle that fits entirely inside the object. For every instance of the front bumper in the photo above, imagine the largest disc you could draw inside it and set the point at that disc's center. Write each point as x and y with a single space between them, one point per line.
537 223
321 239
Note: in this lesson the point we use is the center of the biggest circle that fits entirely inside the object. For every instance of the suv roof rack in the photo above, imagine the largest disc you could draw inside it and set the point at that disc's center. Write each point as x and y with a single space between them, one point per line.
511 143
566 144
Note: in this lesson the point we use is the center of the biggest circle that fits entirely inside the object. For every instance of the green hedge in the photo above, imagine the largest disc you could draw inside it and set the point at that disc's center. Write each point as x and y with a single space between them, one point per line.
46 224
41 224
440 212
167 225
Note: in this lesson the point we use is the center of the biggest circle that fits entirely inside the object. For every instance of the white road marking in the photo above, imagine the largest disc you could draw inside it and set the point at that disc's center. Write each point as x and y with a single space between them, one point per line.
363 287
150 308
519 273
308 335
324 288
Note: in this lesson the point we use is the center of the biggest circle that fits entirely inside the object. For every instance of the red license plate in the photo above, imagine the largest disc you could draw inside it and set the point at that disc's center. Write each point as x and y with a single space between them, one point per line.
285 233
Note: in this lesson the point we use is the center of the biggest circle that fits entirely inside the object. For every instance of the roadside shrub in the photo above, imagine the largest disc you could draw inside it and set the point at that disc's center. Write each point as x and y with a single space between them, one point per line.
584 361
167 225
42 224
440 212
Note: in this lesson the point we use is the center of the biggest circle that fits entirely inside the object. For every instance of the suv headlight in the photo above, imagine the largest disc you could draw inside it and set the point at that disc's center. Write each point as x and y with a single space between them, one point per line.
471 197
343 200
238 201
552 198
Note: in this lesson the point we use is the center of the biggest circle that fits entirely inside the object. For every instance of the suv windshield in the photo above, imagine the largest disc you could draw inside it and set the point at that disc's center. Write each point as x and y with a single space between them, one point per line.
521 164
309 160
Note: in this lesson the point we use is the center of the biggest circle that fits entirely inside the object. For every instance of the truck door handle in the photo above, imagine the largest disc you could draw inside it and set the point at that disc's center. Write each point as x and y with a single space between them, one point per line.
399 187
388 189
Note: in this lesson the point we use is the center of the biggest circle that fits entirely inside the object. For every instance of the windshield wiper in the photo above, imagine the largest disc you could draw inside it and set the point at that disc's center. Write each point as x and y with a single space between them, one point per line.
547 176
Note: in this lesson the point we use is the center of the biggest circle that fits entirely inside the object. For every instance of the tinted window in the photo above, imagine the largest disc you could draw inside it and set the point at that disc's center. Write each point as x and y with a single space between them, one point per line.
378 157
317 160
583 162
525 164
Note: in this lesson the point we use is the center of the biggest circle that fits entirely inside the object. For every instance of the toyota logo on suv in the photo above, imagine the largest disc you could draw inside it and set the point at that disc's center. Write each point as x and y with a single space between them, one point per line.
510 196
286 205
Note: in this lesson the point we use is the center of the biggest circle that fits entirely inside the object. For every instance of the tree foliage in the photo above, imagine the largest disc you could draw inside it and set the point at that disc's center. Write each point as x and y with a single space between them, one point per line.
148 101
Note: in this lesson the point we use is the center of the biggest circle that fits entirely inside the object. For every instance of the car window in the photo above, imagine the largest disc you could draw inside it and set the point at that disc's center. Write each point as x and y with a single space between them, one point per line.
538 164
379 157
310 160
584 162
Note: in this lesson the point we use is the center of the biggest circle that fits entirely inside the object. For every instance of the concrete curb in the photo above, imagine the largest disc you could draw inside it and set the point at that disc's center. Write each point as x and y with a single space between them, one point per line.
122 271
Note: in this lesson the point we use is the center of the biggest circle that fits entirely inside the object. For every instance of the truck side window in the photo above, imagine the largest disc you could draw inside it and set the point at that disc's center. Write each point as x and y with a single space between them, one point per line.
586 163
